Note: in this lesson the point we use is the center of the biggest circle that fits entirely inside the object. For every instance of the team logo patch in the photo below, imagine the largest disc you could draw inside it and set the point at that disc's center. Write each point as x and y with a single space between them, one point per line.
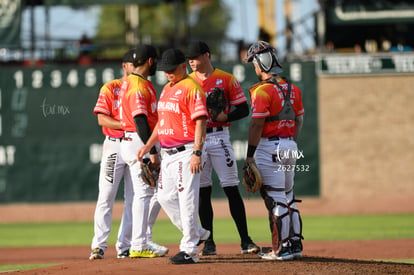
180 177
229 160
110 168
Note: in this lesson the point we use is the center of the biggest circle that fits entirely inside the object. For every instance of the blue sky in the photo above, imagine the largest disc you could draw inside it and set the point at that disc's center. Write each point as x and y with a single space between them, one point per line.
68 23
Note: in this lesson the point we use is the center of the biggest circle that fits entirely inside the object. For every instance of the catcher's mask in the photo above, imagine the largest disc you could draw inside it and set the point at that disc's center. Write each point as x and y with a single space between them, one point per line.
264 55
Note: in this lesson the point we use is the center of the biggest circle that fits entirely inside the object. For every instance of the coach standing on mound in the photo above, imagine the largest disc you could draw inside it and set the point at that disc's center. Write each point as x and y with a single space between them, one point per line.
180 130
277 119
219 151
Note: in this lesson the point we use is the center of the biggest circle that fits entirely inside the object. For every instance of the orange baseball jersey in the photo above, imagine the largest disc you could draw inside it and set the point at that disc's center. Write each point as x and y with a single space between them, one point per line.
138 96
267 101
232 91
108 104
178 108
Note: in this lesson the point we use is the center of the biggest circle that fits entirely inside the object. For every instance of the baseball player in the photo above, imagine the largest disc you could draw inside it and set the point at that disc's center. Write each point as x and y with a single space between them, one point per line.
219 151
112 168
276 123
138 118
180 131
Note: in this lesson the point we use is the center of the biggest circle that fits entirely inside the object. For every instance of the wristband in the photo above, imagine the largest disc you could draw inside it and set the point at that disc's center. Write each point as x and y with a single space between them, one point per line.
250 151
197 153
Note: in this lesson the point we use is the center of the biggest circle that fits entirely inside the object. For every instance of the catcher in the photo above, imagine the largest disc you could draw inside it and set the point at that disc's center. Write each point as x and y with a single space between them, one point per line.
277 118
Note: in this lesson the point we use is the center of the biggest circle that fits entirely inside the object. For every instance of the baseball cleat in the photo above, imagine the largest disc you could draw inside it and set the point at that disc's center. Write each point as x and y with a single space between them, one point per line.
144 253
284 254
296 248
249 247
159 249
96 254
209 248
183 258
123 255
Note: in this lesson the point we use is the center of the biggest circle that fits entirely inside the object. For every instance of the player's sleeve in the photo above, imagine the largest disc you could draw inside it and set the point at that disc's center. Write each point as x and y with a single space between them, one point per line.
141 102
236 95
260 104
104 102
197 103
297 102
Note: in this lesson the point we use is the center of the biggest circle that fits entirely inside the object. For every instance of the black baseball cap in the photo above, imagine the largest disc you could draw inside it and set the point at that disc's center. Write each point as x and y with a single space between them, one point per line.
170 59
197 48
140 54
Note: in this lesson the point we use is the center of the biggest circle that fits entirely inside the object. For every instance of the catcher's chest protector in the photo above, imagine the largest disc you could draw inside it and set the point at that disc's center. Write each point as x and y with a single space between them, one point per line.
287 112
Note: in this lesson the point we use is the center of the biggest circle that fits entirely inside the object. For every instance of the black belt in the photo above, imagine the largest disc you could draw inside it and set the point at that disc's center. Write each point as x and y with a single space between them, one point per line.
214 129
175 150
114 139
127 138
278 138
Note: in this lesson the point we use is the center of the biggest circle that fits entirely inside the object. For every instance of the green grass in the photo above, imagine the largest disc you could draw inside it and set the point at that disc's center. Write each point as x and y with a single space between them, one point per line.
18 267
315 228
362 227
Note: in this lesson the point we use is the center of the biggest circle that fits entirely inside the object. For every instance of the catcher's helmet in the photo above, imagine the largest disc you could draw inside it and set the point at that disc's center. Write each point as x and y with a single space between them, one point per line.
264 55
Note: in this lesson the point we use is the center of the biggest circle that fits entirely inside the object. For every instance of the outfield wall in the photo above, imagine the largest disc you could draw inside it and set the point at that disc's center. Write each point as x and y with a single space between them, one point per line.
366 125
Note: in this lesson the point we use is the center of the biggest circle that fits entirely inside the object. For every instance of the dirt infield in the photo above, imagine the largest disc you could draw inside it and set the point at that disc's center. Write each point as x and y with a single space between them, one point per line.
325 257
340 257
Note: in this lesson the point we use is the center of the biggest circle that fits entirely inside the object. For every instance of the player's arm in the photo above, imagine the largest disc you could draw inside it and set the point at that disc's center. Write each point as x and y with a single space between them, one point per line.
241 110
152 140
108 122
199 138
298 126
255 133
144 130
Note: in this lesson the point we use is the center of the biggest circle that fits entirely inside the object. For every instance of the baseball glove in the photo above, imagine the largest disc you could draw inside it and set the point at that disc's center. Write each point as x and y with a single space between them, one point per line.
216 103
148 175
252 179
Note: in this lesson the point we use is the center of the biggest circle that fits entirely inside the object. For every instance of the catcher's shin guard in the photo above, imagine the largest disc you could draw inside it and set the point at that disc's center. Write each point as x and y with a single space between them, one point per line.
279 226
295 230
279 223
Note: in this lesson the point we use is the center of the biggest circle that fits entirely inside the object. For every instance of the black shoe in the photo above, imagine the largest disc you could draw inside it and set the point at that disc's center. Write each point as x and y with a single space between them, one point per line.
124 254
296 248
183 258
249 247
209 249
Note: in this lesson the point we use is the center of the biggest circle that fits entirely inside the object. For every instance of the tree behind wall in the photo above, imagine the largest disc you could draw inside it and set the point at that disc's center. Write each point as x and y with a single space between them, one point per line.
164 25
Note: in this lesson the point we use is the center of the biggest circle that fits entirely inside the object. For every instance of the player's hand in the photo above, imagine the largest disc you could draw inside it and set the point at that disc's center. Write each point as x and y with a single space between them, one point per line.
221 117
249 160
141 153
195 164
155 162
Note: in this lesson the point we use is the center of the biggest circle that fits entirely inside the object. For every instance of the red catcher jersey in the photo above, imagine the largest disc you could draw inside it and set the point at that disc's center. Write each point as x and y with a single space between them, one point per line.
108 103
178 108
138 96
232 91
267 100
